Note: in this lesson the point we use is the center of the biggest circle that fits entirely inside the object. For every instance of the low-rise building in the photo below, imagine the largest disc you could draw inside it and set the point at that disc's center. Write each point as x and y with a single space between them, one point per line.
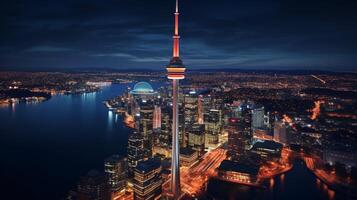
188 157
237 172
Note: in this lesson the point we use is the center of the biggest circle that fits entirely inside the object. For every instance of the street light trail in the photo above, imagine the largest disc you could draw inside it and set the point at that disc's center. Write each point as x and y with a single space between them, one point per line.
316 77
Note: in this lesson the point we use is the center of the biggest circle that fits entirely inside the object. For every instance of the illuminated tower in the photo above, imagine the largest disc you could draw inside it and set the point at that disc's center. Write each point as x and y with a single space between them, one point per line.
175 72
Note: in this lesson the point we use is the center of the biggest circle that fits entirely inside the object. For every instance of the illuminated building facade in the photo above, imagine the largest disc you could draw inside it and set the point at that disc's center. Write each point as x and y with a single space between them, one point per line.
213 127
236 138
115 168
166 124
157 117
258 118
268 150
175 72
240 137
200 109
188 156
263 134
146 116
280 133
237 172
190 106
196 136
147 180
135 150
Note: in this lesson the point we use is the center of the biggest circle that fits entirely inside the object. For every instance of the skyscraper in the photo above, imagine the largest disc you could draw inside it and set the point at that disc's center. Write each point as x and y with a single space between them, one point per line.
280 132
258 118
147 180
146 125
157 117
196 135
115 171
135 150
190 106
175 72
213 127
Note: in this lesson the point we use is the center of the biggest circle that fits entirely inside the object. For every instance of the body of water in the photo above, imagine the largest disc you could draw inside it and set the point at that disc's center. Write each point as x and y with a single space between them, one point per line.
46 147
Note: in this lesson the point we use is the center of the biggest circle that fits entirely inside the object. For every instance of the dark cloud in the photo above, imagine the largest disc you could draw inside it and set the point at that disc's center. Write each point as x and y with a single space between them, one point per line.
264 34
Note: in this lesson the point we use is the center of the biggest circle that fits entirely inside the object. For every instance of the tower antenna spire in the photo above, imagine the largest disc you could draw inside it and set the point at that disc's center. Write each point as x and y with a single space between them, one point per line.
177 6
176 37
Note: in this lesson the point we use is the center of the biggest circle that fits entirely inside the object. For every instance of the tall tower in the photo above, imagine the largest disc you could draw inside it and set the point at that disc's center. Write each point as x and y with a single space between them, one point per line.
175 72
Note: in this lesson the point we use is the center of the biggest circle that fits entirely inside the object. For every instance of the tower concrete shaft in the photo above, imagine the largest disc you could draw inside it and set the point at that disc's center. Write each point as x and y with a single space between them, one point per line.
175 162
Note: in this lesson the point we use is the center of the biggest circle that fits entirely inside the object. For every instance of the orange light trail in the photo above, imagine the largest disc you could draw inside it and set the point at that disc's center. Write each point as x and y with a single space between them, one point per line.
287 119
194 178
316 111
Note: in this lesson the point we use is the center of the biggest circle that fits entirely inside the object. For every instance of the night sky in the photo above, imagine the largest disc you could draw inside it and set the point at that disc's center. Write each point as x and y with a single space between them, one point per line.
129 34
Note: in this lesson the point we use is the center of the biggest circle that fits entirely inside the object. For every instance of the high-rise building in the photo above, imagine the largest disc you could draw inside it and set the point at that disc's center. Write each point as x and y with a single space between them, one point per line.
157 117
135 150
196 137
190 109
200 109
92 187
115 168
258 118
280 134
213 127
166 123
147 180
175 72
236 138
146 125
239 135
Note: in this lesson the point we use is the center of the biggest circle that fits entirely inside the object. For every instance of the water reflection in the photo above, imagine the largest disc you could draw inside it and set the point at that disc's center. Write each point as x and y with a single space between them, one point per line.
271 184
331 194
89 96
110 121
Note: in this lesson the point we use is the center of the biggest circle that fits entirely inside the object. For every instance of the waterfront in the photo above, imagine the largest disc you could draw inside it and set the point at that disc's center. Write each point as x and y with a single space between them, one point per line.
299 183
46 147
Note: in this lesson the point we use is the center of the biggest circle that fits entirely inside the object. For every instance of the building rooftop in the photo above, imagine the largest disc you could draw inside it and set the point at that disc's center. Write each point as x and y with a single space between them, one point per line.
228 165
142 88
267 144
148 165
187 151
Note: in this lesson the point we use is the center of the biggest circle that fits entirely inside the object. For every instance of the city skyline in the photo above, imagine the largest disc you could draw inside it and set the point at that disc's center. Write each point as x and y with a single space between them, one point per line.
96 102
267 35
